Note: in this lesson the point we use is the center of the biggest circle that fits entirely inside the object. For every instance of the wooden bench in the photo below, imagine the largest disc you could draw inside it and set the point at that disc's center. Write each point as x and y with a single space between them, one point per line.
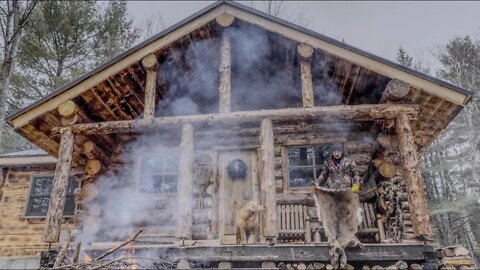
294 223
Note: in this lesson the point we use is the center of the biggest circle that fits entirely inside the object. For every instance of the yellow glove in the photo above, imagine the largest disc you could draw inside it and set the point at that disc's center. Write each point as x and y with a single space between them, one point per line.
356 188
313 188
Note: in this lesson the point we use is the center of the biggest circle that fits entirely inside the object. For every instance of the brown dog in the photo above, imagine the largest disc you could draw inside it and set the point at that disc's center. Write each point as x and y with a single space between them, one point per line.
246 221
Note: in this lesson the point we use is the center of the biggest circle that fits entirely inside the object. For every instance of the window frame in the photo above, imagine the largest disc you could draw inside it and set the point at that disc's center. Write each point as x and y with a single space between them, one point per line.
29 196
303 143
138 173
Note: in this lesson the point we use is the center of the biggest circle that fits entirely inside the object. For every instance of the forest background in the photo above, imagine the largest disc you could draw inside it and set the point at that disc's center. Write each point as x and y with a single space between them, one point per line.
45 44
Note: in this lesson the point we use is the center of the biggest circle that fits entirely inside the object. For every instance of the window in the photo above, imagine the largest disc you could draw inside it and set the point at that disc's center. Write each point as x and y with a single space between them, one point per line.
40 190
305 163
158 174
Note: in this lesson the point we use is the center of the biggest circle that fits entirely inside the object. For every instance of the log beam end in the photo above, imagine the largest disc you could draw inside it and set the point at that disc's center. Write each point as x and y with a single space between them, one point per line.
150 62
305 50
225 19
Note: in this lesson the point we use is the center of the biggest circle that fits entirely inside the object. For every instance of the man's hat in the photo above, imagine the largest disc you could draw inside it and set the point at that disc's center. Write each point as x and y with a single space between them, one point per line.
336 147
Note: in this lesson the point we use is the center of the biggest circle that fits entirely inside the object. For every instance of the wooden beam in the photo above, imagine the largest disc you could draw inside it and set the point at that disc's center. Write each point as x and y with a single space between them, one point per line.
355 113
305 51
150 63
185 185
413 179
59 190
267 176
225 86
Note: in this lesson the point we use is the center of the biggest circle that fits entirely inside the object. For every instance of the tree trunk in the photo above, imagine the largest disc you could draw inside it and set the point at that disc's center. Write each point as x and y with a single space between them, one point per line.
268 179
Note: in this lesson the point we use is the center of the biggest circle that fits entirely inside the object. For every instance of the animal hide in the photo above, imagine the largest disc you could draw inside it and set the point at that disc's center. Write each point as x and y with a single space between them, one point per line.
246 221
341 214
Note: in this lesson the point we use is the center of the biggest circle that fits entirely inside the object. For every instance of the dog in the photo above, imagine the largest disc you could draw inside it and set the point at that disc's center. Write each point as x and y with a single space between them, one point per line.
246 221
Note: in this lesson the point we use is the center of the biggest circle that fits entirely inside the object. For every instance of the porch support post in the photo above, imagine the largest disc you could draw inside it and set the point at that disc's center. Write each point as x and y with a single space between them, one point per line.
150 63
413 179
305 51
267 178
185 185
225 70
59 190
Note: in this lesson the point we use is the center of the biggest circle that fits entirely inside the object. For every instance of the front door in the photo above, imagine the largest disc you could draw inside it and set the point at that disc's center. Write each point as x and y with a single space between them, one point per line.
237 185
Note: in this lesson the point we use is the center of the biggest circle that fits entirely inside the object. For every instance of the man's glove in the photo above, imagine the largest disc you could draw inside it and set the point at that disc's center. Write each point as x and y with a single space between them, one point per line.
356 188
313 187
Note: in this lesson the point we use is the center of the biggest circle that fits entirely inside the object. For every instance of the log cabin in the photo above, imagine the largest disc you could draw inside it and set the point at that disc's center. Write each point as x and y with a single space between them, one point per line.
178 133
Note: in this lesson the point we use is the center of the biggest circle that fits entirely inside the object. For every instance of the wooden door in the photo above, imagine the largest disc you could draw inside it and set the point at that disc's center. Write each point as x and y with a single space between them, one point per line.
234 193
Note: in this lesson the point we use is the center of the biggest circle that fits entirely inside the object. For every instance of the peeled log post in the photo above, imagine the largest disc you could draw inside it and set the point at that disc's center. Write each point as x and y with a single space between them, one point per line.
185 185
59 190
413 179
355 113
150 63
225 69
267 176
305 51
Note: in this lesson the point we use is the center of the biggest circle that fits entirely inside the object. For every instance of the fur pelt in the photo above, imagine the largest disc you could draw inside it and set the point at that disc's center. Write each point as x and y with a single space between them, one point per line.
341 214
246 221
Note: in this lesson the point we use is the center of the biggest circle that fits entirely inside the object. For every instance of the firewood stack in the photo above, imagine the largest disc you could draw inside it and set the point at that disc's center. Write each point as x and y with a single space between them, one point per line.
455 257
395 212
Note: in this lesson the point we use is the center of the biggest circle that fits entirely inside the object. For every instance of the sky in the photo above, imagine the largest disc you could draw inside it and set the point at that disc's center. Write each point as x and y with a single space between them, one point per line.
379 27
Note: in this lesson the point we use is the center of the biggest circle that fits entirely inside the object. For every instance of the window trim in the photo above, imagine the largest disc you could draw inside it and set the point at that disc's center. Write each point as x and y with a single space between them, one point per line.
137 173
305 143
29 192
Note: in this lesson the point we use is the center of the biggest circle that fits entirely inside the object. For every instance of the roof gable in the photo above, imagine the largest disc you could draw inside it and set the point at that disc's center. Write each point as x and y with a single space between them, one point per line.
377 64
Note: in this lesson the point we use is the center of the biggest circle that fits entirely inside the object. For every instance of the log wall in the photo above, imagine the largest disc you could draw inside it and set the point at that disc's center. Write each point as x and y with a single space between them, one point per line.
19 236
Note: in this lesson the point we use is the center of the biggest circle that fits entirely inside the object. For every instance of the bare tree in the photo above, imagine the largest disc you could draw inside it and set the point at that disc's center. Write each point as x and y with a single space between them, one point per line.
14 17
151 25
277 8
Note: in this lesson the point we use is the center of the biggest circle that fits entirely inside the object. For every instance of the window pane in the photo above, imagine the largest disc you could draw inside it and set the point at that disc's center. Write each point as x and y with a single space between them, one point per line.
321 153
69 208
38 206
300 156
171 165
300 178
150 184
151 164
72 185
170 184
42 185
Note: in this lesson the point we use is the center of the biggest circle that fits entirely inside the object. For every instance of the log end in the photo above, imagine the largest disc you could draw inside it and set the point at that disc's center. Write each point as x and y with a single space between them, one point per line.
305 50
67 108
93 166
225 19
150 62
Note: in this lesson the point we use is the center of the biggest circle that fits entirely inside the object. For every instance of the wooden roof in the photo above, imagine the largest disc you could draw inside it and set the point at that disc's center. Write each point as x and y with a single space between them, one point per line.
115 90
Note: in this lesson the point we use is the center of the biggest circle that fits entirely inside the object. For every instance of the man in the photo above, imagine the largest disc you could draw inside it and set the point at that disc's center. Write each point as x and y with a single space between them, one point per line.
339 172
338 204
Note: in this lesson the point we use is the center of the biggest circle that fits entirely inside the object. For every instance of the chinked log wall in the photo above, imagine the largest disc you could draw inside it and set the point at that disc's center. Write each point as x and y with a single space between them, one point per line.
20 236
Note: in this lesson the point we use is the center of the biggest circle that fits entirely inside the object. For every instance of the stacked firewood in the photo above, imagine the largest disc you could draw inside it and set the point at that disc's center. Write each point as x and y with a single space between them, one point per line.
399 265
394 209
455 257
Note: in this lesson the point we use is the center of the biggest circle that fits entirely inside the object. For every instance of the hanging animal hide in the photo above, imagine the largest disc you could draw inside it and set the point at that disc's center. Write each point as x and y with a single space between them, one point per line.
341 214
